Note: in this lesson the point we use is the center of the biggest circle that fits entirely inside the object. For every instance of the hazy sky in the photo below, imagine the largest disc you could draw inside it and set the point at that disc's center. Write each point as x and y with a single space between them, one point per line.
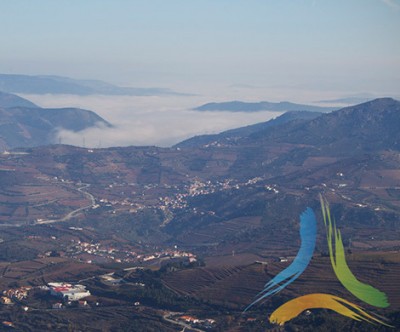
251 50
340 45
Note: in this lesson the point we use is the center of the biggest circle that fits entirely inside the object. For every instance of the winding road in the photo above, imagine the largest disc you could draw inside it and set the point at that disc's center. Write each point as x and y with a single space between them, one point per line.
75 212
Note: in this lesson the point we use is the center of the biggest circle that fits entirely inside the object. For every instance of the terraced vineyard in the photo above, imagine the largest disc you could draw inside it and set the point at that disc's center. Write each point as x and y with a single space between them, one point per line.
237 286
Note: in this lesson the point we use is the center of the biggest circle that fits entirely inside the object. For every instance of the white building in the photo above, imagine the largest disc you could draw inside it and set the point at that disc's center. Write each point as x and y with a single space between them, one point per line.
68 291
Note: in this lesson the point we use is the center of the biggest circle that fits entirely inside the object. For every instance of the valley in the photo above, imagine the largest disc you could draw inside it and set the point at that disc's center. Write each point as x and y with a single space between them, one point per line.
197 231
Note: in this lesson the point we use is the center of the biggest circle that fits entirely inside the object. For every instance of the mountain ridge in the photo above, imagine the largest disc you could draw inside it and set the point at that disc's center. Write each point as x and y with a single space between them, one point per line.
47 84
370 124
240 106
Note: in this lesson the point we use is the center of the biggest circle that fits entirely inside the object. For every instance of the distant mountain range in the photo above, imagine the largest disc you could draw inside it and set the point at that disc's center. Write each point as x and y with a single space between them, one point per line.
64 85
24 124
240 106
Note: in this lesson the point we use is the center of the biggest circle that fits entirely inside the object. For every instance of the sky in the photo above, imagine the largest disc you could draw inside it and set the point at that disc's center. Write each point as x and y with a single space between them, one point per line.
297 50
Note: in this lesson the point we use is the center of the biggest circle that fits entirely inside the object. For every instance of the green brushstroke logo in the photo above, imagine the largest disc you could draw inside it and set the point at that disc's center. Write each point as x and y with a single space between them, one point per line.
364 292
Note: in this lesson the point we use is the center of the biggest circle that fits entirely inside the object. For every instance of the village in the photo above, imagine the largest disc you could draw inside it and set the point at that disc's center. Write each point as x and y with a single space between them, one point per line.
197 188
96 252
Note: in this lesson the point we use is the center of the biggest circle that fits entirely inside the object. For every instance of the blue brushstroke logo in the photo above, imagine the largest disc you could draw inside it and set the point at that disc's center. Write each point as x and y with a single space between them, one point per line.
308 235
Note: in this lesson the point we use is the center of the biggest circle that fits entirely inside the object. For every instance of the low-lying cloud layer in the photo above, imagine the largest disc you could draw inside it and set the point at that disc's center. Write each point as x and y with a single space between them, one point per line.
157 120
167 120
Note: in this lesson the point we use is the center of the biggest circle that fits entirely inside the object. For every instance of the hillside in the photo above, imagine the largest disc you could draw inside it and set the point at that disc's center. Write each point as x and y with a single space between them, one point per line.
365 127
239 133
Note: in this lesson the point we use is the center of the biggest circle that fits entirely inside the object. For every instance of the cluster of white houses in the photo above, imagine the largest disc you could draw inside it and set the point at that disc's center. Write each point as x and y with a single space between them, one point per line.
67 291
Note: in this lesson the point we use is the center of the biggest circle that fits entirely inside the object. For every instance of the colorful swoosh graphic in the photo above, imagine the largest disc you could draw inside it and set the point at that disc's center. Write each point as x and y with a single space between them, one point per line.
308 234
293 308
363 291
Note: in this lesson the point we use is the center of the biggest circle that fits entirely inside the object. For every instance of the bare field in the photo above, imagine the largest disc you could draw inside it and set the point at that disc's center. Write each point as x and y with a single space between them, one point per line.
214 232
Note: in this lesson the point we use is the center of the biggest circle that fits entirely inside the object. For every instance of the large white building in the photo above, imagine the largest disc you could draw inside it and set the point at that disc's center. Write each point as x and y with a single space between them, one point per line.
68 291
